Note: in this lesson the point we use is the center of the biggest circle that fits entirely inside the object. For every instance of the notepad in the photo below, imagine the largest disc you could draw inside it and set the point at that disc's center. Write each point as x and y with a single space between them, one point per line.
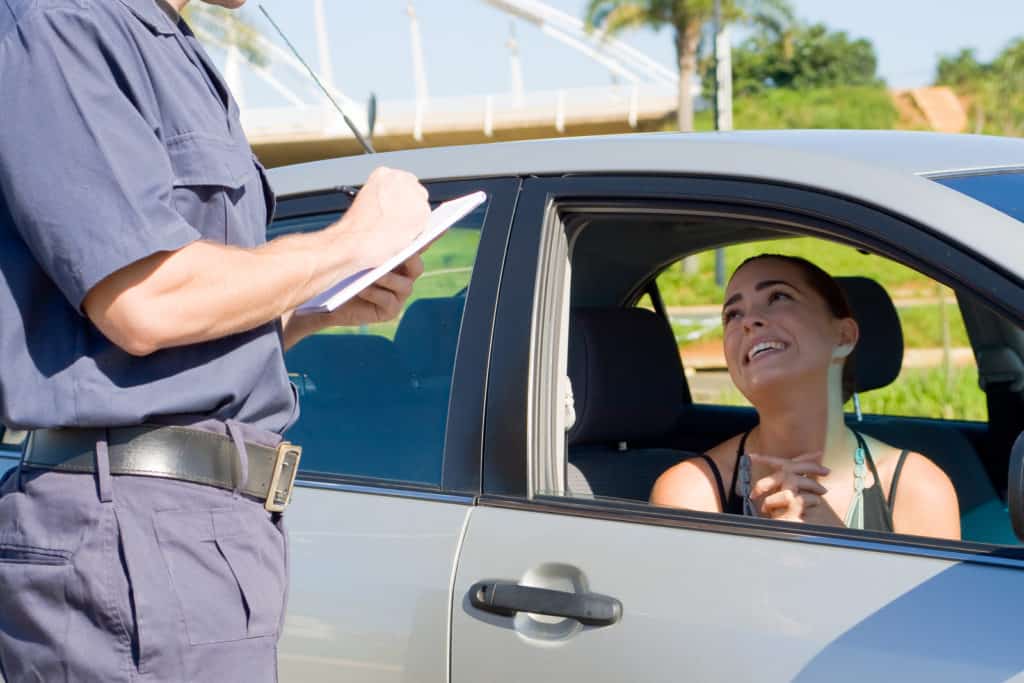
441 218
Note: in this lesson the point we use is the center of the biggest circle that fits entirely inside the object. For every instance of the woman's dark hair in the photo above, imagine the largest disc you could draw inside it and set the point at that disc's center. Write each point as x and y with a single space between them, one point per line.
835 299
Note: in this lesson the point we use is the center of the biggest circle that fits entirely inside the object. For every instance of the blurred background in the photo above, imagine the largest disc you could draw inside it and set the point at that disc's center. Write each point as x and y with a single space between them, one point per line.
440 72
422 73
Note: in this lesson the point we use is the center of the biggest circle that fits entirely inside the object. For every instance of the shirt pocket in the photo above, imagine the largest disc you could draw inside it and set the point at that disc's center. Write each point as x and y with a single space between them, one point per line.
209 178
227 573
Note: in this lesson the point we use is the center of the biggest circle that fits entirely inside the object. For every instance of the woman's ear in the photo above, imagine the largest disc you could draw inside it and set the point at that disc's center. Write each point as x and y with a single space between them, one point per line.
849 333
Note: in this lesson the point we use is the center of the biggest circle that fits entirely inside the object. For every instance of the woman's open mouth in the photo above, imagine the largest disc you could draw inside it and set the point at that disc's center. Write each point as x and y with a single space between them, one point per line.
765 348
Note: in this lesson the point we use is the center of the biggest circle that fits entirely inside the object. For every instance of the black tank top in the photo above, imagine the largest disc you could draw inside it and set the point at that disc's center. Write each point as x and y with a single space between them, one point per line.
877 510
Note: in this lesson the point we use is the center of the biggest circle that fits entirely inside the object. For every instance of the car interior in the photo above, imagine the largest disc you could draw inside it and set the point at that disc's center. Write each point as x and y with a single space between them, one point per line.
393 394
634 413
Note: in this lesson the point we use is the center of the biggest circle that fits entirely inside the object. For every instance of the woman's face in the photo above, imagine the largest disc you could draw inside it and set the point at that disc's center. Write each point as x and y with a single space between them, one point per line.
779 332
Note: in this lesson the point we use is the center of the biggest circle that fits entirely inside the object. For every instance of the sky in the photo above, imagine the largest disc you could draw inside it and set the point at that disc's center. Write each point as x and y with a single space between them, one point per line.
465 53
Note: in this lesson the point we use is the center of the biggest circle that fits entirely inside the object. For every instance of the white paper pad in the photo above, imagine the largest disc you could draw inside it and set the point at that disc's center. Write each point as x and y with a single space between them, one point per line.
441 218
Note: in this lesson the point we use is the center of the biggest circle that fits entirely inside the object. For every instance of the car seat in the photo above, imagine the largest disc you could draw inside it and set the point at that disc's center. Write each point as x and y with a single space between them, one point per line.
628 390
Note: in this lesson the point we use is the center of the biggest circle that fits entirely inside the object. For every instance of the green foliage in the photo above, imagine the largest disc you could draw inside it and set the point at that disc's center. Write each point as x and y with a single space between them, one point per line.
995 89
917 392
863 107
687 19
804 58
922 326
680 289
928 392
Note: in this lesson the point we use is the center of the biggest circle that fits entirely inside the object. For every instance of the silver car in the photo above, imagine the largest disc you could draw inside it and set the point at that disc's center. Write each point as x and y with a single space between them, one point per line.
473 502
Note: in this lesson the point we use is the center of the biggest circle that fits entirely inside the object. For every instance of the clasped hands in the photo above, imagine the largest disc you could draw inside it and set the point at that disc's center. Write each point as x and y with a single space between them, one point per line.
791 491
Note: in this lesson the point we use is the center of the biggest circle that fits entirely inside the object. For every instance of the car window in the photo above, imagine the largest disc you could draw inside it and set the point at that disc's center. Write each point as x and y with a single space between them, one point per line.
374 399
1002 191
939 374
648 394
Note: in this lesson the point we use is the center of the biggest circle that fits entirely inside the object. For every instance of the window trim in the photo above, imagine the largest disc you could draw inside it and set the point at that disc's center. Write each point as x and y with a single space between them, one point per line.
1011 557
462 453
507 422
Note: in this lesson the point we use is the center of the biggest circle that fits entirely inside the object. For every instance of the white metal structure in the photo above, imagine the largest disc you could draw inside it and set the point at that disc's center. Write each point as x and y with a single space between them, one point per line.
642 89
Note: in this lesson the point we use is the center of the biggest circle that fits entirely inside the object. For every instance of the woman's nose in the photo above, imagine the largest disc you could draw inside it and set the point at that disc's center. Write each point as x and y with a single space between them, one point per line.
752 321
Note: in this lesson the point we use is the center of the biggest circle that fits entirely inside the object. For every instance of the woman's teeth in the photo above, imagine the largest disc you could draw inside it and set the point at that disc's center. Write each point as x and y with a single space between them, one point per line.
764 346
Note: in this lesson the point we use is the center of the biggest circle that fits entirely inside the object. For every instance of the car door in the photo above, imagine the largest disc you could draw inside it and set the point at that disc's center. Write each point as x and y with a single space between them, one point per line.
390 425
551 588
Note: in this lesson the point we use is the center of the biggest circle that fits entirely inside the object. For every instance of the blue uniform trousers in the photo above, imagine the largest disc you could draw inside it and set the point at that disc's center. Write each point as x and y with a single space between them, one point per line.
130 578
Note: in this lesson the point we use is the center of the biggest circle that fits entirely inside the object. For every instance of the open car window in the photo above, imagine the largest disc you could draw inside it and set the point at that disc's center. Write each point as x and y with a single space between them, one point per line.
650 387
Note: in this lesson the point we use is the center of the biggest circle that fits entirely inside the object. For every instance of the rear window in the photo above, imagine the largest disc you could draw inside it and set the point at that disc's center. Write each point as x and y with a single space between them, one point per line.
1002 191
374 398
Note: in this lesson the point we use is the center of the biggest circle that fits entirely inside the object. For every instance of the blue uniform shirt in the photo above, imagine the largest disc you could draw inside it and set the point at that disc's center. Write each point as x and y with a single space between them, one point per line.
118 139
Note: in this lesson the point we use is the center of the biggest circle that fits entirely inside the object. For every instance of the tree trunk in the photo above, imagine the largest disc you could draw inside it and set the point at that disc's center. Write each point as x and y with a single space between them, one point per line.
687 41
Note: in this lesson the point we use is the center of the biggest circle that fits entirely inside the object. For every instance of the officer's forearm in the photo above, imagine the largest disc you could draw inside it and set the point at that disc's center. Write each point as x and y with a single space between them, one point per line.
207 291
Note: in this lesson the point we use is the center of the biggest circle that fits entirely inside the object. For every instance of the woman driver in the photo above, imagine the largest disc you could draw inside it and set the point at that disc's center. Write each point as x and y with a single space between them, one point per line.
789 333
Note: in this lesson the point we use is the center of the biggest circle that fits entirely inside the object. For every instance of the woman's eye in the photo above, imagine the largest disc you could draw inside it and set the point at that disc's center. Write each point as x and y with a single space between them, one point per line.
775 296
729 316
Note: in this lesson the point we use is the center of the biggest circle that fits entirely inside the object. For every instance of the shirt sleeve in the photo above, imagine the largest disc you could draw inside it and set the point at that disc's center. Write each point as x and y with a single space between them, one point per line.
86 179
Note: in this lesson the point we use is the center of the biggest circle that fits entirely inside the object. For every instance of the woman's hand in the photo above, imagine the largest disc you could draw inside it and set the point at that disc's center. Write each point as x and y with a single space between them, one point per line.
791 492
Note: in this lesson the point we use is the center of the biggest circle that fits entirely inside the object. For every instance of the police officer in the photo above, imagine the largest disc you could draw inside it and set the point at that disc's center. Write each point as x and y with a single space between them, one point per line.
143 318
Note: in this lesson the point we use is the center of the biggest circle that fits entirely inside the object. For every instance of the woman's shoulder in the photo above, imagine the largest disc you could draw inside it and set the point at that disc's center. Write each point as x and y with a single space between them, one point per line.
889 459
692 483
924 500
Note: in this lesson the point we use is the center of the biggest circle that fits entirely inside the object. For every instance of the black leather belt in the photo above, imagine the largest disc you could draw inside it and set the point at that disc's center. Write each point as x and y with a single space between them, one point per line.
173 453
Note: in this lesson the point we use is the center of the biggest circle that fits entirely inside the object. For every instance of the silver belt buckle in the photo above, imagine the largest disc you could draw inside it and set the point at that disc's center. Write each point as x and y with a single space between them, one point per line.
286 466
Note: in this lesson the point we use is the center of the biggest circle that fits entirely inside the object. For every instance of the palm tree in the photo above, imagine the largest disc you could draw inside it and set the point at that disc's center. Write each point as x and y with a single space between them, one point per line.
687 18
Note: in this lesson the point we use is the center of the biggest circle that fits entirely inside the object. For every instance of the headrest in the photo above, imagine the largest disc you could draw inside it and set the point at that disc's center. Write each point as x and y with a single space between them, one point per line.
428 333
627 379
348 364
879 354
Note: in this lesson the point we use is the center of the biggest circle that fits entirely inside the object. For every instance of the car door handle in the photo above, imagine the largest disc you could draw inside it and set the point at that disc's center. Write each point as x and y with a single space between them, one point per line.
506 598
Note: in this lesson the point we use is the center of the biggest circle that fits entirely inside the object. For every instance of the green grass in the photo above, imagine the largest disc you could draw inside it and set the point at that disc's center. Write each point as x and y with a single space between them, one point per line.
922 326
679 289
917 392
841 107
922 323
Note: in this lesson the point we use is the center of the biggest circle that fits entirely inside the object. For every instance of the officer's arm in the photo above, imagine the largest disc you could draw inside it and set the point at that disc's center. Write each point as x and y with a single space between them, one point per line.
206 291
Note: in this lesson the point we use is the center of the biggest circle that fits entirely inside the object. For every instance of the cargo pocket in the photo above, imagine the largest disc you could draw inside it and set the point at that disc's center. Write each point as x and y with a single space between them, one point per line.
227 570
34 614
210 174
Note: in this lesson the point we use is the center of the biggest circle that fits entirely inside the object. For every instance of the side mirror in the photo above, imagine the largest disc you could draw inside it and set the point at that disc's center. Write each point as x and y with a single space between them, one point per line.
1015 487
371 115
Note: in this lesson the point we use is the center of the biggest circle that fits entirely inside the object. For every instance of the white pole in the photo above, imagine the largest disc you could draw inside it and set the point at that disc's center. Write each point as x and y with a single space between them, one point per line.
323 45
419 71
233 74
723 76
515 66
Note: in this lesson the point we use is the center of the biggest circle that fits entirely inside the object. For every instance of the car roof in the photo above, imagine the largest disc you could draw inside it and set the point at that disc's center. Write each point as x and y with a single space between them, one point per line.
885 169
916 153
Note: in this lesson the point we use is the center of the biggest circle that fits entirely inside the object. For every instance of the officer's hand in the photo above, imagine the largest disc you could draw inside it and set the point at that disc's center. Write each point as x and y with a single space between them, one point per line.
381 301
388 213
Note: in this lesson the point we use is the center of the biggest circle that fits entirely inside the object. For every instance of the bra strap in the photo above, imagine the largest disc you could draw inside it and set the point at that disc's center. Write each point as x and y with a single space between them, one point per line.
896 478
718 479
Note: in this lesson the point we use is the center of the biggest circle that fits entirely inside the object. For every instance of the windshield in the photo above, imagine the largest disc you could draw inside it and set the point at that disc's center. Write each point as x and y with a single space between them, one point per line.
1002 191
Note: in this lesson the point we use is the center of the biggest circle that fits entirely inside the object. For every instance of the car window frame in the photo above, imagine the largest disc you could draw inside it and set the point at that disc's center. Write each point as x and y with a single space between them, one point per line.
508 419
462 453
